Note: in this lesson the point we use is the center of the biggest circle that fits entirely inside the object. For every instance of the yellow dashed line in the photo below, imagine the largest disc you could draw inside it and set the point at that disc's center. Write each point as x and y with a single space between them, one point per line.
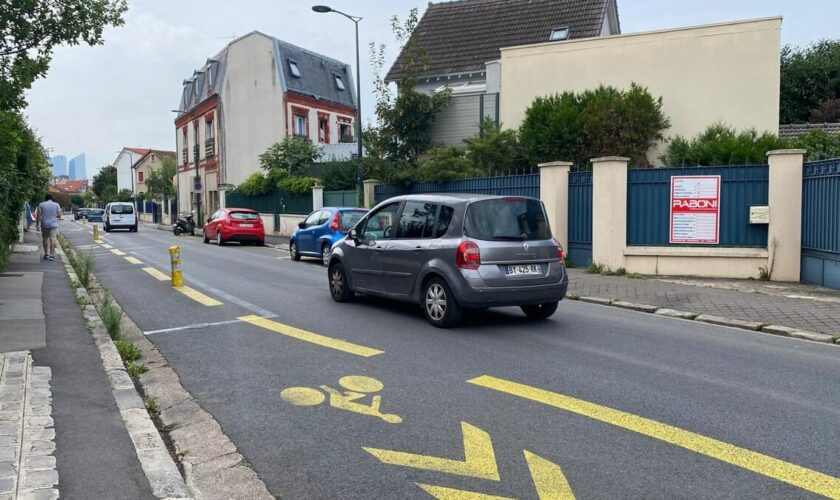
156 274
105 245
197 296
313 338
117 252
807 479
134 260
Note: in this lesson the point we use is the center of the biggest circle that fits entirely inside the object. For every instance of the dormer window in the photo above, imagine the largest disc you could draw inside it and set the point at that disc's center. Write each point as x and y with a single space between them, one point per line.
293 69
558 34
339 83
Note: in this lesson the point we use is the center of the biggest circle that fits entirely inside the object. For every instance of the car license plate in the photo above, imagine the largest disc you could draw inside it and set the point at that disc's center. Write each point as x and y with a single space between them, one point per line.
246 225
523 270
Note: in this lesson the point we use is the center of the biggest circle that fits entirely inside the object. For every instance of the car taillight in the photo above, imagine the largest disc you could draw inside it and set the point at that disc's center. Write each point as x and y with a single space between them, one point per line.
336 222
468 255
560 253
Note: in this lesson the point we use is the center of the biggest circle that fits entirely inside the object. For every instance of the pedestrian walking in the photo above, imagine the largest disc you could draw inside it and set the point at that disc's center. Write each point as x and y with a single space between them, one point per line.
46 220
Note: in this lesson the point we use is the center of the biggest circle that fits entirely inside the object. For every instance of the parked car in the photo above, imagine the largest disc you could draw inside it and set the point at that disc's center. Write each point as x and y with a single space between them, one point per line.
321 229
120 215
80 213
96 215
234 224
453 252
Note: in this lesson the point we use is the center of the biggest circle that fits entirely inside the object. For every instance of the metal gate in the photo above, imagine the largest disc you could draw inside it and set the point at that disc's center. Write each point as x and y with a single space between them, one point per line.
580 218
821 223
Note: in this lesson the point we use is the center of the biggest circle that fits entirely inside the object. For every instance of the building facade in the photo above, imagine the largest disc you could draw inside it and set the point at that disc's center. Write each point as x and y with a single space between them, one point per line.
463 41
59 165
126 158
77 168
254 93
146 164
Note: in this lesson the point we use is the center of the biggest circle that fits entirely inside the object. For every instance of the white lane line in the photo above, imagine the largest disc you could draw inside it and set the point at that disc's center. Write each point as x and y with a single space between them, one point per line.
194 326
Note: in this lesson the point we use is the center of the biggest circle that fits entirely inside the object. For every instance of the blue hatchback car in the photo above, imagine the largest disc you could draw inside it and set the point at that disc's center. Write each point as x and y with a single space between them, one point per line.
96 215
316 234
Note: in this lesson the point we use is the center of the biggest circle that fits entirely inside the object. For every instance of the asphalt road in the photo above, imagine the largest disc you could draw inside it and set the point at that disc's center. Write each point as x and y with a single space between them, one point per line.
597 402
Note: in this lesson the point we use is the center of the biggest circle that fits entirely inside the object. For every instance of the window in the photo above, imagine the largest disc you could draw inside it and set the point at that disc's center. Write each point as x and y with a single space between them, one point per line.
349 218
443 221
300 127
417 220
345 132
140 176
293 69
339 83
506 219
378 224
208 130
559 34
244 216
153 157
121 208
323 128
325 216
312 220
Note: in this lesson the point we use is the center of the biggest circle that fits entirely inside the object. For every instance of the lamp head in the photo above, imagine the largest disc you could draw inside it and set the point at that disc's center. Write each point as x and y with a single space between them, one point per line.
322 9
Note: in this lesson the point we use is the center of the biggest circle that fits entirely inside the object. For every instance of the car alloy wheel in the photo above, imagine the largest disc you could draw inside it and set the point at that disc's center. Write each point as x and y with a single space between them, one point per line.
219 240
439 304
339 289
325 255
294 251
206 239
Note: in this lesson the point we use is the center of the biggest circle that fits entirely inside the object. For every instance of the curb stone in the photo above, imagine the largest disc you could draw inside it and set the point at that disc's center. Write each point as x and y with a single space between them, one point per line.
160 470
784 331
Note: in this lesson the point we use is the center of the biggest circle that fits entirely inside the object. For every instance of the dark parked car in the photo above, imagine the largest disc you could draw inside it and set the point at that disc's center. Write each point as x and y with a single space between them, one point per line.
96 215
316 234
453 252
81 213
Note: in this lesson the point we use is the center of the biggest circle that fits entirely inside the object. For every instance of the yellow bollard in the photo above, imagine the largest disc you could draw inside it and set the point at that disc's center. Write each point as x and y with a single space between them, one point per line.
175 261
96 232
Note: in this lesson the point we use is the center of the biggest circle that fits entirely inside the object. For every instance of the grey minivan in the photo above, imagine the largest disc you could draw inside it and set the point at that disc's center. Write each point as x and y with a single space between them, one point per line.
449 252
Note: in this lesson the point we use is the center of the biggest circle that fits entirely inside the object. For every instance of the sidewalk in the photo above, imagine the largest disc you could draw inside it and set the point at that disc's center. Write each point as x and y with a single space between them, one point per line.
71 441
793 305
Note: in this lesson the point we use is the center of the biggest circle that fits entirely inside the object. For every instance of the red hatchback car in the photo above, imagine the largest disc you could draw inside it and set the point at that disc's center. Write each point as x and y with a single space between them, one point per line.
235 224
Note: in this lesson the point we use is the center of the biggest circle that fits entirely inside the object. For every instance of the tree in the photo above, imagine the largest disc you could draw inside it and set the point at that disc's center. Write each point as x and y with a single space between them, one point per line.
159 184
77 200
599 122
404 119
105 184
818 144
827 111
33 28
720 144
495 150
446 164
123 195
89 199
809 77
289 157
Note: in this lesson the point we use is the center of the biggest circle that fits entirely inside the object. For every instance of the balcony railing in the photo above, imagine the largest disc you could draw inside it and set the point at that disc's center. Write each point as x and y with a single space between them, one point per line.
210 147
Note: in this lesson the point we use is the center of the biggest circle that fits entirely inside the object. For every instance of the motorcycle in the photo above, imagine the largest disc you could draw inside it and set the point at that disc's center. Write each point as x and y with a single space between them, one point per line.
184 224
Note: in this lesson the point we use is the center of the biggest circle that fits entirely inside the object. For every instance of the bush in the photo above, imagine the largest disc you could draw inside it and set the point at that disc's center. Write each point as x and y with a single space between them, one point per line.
600 122
111 316
84 264
335 175
495 151
298 185
720 144
446 164
290 156
255 185
127 350
135 369
818 144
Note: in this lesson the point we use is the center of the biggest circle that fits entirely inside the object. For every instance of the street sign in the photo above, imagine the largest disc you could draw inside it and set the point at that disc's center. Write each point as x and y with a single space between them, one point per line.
695 209
197 186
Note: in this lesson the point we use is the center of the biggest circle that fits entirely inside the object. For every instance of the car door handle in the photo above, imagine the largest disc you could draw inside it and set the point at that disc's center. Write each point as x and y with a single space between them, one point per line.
418 249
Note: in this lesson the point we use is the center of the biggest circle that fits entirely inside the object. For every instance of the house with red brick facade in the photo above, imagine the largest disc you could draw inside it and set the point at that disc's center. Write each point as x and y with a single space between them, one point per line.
254 93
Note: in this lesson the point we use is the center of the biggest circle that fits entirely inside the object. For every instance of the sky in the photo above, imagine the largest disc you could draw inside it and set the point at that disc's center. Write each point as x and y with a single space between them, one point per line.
95 100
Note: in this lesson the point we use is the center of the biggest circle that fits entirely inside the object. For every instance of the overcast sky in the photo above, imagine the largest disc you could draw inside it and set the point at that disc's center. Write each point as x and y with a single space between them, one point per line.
96 100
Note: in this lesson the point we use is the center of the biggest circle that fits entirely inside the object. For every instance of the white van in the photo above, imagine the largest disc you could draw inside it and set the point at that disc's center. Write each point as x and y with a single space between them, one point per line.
120 216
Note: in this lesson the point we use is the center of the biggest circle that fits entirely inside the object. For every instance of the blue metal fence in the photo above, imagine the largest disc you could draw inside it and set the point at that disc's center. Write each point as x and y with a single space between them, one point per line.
821 223
648 204
514 185
341 198
580 218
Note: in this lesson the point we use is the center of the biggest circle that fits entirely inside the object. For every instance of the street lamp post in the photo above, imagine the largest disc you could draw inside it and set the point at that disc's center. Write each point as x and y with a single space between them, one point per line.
323 9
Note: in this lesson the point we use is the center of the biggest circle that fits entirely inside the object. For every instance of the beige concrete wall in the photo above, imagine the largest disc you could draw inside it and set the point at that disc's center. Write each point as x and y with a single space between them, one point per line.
707 262
725 72
609 210
252 100
288 223
554 193
784 234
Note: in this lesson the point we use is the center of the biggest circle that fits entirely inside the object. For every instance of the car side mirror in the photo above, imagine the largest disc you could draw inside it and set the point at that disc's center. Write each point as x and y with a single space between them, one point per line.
209 220
354 234
302 224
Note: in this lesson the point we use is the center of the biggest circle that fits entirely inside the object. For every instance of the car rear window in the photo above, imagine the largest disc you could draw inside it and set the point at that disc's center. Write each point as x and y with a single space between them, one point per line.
244 216
97 212
122 209
504 219
349 218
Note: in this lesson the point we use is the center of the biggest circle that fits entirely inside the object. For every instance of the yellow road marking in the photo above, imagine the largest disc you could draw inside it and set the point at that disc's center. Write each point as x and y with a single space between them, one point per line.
442 493
313 338
133 260
197 296
105 245
801 477
548 478
117 252
479 458
157 274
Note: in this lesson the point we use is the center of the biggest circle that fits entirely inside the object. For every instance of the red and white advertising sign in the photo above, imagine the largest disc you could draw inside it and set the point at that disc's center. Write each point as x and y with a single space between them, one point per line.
695 209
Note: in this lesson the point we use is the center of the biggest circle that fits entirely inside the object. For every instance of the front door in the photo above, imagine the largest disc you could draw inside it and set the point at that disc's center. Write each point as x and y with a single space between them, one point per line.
364 259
